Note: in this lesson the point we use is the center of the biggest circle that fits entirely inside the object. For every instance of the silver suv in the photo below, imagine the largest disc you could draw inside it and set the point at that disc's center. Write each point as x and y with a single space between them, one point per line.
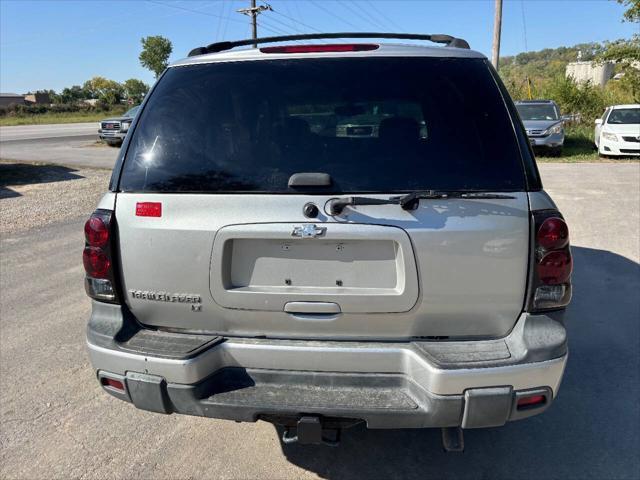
544 125
250 263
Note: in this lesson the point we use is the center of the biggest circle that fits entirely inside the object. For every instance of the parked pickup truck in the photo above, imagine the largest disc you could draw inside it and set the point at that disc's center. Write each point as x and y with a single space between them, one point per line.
113 130
245 266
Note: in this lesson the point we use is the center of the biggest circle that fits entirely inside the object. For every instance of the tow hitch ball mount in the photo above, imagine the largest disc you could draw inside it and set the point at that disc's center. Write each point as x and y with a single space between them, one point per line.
309 431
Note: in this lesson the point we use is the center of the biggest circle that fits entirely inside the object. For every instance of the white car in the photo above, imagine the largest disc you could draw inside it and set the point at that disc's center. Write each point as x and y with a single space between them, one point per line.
618 131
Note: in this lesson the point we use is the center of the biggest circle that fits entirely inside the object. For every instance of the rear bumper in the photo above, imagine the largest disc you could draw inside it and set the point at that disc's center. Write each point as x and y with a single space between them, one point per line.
388 385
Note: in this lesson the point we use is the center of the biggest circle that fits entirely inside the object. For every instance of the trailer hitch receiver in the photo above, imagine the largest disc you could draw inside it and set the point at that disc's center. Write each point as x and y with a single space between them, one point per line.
309 431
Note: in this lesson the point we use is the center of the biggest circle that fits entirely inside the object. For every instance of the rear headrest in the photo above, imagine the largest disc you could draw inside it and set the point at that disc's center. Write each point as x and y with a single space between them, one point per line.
398 129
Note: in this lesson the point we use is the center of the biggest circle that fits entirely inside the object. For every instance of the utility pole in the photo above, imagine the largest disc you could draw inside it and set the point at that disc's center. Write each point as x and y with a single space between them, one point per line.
253 12
497 28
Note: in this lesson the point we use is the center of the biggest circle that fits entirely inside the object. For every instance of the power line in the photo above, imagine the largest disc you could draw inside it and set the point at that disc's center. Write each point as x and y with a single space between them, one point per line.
272 29
297 5
224 6
271 19
226 21
393 24
355 12
286 6
192 10
297 21
329 12
368 14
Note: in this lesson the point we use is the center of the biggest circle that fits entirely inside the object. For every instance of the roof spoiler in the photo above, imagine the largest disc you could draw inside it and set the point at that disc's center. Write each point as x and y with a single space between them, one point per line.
447 40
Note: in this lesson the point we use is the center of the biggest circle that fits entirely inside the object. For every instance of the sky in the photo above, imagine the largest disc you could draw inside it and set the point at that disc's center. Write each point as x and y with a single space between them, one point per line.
49 44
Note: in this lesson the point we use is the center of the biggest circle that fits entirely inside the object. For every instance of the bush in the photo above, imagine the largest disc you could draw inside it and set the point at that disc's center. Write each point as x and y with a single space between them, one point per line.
22 110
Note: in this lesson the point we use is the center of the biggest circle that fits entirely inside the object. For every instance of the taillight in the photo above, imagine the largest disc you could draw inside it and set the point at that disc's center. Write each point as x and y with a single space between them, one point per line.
97 257
341 47
555 267
96 232
552 263
96 263
553 234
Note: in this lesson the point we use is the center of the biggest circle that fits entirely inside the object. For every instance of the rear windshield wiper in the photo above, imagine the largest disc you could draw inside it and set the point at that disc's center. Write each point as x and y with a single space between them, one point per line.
410 201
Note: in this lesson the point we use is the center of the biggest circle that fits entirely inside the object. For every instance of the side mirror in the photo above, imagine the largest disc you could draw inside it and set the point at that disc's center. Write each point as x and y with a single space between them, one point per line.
598 121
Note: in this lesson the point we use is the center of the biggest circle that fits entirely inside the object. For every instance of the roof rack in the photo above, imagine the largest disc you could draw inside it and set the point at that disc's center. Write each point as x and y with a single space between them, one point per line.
448 40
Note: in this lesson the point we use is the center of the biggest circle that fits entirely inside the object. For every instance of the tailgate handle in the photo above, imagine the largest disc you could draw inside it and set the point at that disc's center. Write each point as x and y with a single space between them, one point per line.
312 307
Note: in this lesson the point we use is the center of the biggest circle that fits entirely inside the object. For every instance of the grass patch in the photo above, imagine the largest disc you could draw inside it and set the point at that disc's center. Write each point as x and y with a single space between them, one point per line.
61 117
578 146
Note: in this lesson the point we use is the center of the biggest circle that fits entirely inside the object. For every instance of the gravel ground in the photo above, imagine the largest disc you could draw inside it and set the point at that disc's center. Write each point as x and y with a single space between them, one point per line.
55 422
35 195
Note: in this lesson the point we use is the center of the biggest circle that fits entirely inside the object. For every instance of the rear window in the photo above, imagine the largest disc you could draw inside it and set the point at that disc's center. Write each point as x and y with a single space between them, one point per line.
373 124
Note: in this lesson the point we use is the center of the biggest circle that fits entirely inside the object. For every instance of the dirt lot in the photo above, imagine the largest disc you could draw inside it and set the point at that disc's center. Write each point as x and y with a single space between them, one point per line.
35 195
55 422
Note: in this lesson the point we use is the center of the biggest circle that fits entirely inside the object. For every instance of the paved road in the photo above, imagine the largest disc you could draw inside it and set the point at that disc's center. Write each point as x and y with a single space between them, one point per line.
55 422
39 132
61 151
71 144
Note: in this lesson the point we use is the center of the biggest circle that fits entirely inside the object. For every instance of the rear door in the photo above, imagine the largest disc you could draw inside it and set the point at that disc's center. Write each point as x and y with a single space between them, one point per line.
229 249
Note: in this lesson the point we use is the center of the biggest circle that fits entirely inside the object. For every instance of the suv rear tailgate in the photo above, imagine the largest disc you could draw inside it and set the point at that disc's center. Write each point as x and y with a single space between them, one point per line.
220 263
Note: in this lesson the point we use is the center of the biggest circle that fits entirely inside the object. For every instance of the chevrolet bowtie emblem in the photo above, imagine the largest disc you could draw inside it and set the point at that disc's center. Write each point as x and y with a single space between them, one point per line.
308 231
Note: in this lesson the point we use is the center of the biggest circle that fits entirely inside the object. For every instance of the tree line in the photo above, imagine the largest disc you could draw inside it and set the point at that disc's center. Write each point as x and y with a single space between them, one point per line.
102 90
541 75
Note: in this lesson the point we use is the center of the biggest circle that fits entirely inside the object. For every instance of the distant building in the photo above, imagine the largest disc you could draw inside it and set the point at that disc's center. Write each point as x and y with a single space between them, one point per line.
7 99
38 98
596 73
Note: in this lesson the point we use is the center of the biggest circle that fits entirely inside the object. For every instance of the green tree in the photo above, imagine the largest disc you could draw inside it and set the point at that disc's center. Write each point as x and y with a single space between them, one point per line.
626 55
632 14
155 53
73 94
105 90
135 89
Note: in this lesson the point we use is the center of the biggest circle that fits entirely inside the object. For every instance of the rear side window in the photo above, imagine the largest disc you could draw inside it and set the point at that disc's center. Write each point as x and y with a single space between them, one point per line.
373 124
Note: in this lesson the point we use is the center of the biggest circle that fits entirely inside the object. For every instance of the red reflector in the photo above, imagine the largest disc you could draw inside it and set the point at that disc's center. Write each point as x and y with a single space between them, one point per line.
148 209
555 267
96 232
96 263
110 382
342 47
553 234
532 400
